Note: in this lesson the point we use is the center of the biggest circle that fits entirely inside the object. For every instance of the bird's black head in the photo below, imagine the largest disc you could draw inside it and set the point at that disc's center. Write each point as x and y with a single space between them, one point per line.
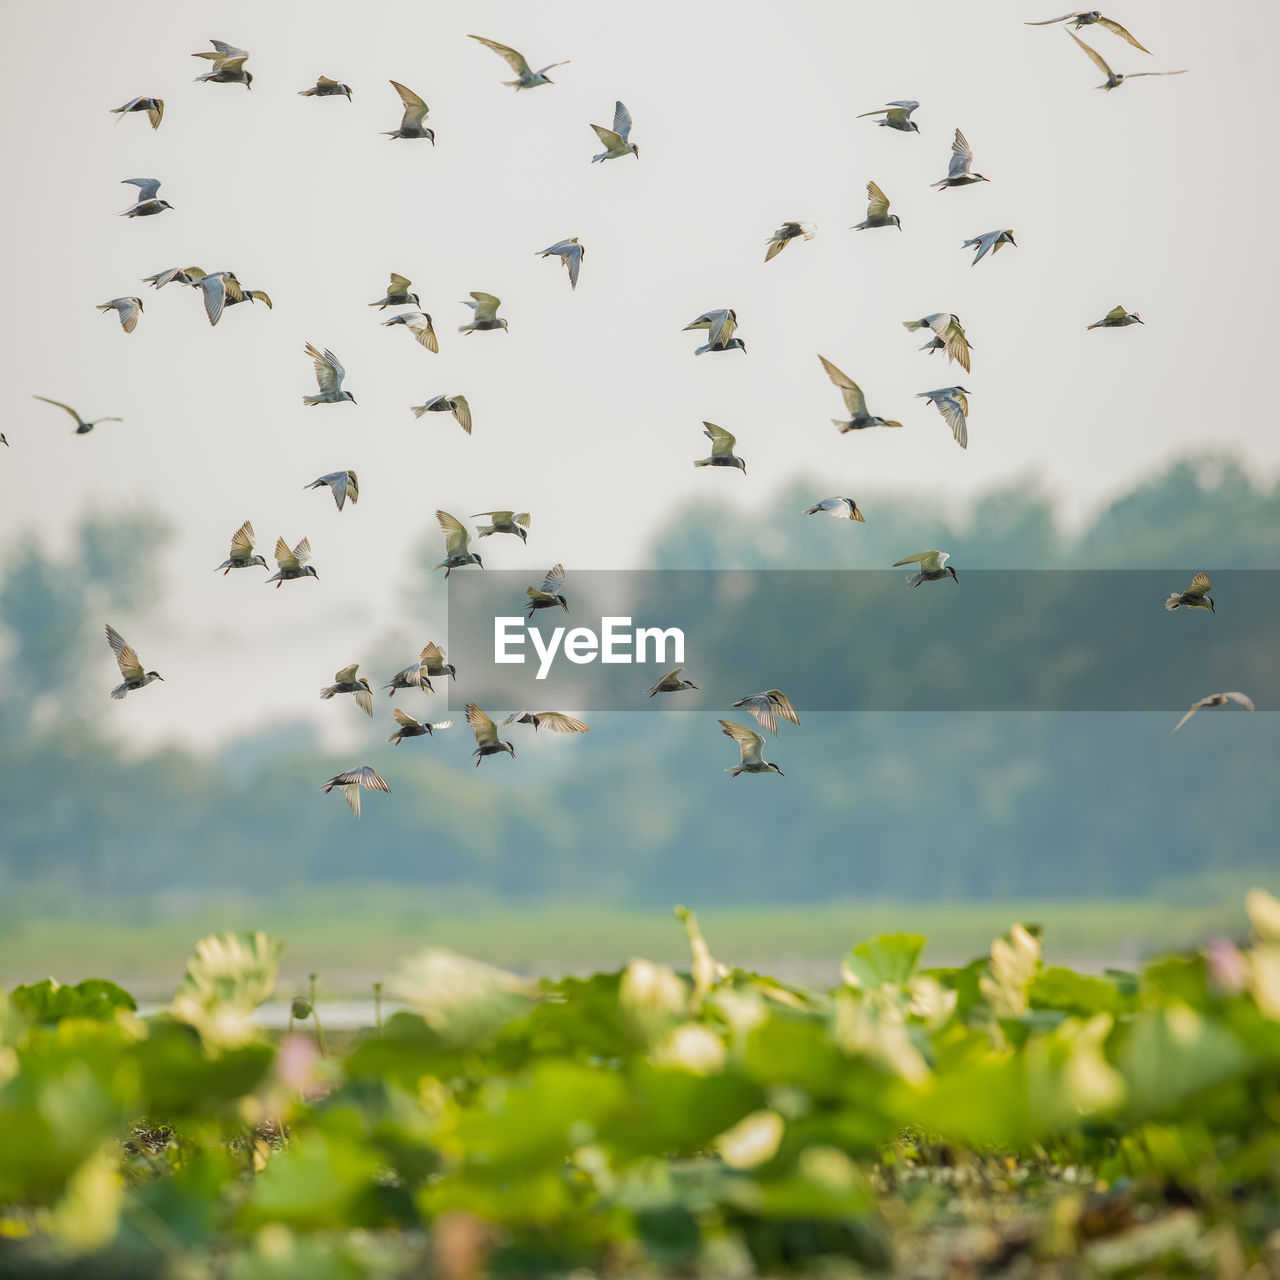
524 535
154 675
636 151
451 669
417 302
564 604
309 571
1211 605
430 135
248 79
259 560
477 559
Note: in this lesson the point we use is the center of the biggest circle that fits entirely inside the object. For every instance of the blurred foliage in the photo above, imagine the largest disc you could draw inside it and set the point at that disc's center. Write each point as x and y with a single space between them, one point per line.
999 1118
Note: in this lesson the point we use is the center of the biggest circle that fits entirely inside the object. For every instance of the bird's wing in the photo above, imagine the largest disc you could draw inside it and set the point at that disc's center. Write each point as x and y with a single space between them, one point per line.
854 400
215 296
364 700
722 327
953 409
1095 57
534 594
442 724
147 187
957 344
462 411
242 541
554 579
231 64
673 674
721 441
486 306
961 156
837 507
455 534
782 704
1048 22
907 105
749 741
1116 29
346 675
513 59
225 51
329 373
621 121
353 486
431 656
128 106
877 201
759 705
926 560
422 330
1116 313
609 140
129 313
1195 706
399 284
1243 699
481 725
261 296
415 110
572 254
1199 585
404 720
408 97
285 558
558 722
156 114
1133 75
324 80
58 403
777 242
127 660
499 517
523 519
302 552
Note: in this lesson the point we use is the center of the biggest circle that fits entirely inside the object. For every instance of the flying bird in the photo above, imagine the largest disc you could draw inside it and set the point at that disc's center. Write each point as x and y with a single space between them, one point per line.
456 538
720 325
329 374
154 107
897 115
616 141
241 556
751 744
1114 79
411 728
878 214
1117 318
959 173
292 564
398 294
854 401
513 522
218 288
949 332
550 594
351 782
147 203
82 427
457 405
175 275
953 404
134 676
128 309
526 77
415 112
840 508
417 675
1196 596
785 234
487 741
431 660
570 253
326 88
419 324
485 305
767 706
672 683
989 240
343 485
1215 700
228 65
556 721
722 454
933 567
345 681
1087 19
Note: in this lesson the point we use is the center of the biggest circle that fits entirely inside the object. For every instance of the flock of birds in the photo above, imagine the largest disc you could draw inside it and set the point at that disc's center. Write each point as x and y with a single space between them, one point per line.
221 289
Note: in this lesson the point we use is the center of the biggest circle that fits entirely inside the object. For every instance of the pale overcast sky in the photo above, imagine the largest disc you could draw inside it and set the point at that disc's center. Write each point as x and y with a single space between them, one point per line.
1159 196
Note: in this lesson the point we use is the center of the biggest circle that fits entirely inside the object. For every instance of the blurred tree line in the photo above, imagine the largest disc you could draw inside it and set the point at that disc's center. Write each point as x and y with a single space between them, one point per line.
911 805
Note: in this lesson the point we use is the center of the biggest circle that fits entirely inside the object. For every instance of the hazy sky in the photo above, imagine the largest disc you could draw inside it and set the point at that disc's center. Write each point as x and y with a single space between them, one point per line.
1159 196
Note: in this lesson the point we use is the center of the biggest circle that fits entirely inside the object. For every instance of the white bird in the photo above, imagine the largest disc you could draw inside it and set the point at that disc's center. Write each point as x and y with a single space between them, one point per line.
242 556
854 401
292 563
720 325
897 115
415 112
329 375
228 65
989 240
1114 79
148 203
672 683
82 427
570 253
180 275
154 107
767 706
550 594
134 676
419 324
218 287
959 173
526 77
722 454
487 741
351 782
933 567
1216 700
616 141
345 681
513 522
1086 19
485 305
839 508
343 485
398 294
751 744
411 728
556 721
878 214
953 404
128 309
1196 596
949 332
457 405
1117 318
326 88
785 234
456 538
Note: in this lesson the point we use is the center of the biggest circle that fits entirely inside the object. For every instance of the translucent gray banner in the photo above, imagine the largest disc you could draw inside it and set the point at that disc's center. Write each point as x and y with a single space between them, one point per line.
987 640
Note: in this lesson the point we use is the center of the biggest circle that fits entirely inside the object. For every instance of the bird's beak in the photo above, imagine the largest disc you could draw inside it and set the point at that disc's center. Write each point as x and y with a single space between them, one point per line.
779 772
353 400
564 604
159 676
1139 319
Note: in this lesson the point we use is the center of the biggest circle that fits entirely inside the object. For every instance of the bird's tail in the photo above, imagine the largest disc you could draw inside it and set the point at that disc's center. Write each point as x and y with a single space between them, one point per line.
702 462
119 691
312 399
915 579
912 325
1173 602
